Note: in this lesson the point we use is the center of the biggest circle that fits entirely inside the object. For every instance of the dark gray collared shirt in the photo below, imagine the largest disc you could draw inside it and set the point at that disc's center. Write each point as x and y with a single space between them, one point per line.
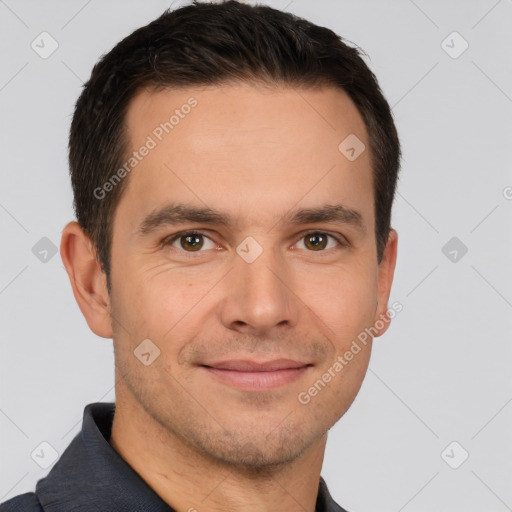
90 476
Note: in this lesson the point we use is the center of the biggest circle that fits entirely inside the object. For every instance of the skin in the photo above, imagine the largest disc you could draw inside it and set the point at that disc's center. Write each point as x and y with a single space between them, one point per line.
255 153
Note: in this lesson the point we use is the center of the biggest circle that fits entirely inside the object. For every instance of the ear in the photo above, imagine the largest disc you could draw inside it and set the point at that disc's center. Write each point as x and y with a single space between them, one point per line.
87 280
385 280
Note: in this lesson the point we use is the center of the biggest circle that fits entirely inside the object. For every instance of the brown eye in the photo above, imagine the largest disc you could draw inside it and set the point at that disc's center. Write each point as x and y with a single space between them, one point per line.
189 241
316 241
193 242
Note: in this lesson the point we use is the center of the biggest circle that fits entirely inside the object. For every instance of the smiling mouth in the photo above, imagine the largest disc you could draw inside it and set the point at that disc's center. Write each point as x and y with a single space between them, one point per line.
252 375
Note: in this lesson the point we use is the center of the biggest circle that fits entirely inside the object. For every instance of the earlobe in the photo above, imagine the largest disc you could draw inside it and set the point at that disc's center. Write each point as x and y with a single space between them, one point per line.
386 273
87 280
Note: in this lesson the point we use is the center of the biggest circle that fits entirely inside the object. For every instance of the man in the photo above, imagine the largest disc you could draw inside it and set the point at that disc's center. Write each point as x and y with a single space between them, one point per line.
233 170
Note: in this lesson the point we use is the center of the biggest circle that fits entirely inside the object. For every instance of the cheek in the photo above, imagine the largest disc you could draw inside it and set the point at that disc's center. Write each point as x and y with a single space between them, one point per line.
344 299
159 308
159 304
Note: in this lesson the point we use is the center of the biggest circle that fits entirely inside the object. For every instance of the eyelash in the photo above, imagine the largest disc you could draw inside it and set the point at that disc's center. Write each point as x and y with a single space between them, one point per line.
169 240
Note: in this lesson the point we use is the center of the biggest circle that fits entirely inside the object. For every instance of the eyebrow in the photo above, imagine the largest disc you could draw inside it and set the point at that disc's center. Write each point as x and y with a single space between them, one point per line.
178 213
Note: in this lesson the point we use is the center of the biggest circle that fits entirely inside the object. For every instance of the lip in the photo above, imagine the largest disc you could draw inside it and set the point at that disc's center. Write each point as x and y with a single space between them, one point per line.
245 365
253 375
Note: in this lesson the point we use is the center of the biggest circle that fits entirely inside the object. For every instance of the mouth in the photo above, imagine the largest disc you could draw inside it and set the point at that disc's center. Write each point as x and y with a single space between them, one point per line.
253 375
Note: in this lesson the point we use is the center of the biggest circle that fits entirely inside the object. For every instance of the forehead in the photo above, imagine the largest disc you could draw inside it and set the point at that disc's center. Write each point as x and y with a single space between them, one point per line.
242 108
246 148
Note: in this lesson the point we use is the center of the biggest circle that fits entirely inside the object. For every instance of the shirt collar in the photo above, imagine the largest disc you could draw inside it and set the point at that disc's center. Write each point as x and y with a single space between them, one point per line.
90 476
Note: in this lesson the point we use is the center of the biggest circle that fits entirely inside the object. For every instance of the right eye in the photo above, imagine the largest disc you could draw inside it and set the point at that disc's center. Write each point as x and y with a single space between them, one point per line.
189 241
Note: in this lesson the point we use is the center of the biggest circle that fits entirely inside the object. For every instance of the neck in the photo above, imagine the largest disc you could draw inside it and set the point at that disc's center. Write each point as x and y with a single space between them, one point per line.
188 480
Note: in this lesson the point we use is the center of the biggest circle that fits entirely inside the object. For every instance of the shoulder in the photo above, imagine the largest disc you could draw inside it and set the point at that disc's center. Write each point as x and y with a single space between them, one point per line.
27 502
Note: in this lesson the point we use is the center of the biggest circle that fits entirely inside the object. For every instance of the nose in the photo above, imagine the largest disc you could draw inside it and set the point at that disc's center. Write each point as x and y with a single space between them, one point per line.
258 296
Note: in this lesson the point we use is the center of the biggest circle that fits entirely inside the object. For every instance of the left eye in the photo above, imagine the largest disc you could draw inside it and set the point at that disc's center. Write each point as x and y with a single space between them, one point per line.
318 241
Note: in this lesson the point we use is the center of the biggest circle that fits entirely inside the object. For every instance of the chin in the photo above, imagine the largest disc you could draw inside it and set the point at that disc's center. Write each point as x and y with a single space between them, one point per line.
259 452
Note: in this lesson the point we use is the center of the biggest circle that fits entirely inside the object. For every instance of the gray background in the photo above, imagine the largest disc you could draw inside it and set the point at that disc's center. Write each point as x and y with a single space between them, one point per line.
441 372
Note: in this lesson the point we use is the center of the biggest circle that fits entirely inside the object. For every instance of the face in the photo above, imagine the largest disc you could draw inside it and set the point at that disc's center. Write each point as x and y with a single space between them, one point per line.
251 301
